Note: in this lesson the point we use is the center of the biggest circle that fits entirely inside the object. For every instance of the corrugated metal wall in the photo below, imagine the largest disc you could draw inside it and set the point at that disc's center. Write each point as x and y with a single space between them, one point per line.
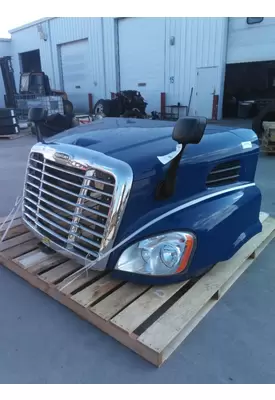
199 42
23 40
101 57
64 30
5 50
5 47
250 42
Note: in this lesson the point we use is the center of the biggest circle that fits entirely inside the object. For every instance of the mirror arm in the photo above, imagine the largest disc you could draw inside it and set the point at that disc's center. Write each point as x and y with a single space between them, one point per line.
166 187
39 135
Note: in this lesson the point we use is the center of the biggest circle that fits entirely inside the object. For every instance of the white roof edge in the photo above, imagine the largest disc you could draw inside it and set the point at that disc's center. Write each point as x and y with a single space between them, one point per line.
5 40
36 22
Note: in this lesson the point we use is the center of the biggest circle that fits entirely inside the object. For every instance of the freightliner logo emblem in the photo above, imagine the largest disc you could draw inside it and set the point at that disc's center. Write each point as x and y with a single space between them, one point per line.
61 156
68 160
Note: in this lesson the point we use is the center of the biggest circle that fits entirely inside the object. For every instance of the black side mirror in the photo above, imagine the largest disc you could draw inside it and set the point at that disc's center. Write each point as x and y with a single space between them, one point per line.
189 130
37 116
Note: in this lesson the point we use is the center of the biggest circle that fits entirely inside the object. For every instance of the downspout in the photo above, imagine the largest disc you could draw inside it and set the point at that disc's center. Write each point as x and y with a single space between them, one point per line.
223 68
103 58
51 53
116 49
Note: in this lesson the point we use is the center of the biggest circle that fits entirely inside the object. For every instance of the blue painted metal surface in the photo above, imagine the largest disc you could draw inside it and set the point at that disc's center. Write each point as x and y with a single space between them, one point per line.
221 224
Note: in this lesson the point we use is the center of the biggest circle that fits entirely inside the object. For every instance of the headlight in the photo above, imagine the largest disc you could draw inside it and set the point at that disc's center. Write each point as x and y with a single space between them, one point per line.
165 254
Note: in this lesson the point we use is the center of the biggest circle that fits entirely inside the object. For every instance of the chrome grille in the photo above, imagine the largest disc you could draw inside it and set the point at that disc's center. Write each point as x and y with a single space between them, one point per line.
67 205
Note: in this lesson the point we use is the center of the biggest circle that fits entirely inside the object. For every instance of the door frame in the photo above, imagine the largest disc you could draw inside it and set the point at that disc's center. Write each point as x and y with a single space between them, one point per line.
197 82
117 52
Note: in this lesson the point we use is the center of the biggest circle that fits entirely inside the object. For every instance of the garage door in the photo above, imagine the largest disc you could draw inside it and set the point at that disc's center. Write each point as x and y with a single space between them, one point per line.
141 57
75 73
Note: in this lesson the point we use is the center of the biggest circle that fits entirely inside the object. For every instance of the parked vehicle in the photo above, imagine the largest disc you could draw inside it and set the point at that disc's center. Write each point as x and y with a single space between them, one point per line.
118 194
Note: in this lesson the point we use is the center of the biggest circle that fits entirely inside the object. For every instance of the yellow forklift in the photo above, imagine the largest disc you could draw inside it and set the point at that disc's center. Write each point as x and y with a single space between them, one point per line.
31 84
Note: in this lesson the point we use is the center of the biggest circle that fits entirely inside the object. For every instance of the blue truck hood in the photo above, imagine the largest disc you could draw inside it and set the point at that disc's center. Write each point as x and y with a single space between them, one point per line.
140 142
220 224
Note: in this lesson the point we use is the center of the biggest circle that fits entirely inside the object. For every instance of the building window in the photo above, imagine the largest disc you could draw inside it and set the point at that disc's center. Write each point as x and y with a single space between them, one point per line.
254 20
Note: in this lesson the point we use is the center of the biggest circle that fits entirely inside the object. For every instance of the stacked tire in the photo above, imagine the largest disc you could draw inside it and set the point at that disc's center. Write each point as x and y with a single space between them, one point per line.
8 122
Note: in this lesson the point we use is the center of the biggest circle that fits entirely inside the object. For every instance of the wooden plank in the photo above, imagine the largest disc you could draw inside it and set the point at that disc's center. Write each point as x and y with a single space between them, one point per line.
18 215
211 303
92 314
15 135
72 283
14 231
160 334
20 249
16 222
119 299
136 313
7 244
52 261
227 285
36 261
60 272
263 216
29 259
163 356
96 290
265 243
81 311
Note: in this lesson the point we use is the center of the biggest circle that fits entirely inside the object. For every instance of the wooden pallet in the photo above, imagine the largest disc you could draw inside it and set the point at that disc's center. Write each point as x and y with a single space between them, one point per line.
16 135
152 321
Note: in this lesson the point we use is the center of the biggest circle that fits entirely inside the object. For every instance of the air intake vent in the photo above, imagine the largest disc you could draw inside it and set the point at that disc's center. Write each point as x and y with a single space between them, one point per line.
224 174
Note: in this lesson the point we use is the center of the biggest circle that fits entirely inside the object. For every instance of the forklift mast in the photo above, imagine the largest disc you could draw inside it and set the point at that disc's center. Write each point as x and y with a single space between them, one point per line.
9 82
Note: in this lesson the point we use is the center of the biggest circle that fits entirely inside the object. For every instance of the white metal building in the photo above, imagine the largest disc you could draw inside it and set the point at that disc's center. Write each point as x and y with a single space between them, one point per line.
251 42
152 55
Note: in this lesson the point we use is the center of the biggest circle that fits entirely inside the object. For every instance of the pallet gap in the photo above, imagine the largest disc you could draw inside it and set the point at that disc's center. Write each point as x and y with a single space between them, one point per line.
12 236
94 303
65 276
24 251
86 284
16 222
153 317
130 302
47 269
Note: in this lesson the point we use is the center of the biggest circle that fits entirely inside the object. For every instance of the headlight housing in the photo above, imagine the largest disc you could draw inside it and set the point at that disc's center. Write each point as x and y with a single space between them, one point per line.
165 254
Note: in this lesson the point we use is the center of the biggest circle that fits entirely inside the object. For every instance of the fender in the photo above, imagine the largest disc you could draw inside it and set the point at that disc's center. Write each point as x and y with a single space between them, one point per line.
222 222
